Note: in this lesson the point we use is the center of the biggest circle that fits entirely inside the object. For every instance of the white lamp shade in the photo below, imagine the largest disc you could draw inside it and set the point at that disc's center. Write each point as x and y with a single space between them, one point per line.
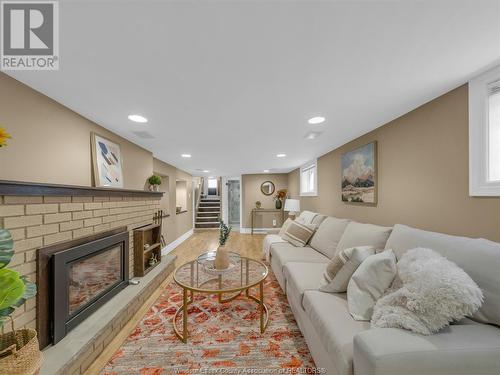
292 205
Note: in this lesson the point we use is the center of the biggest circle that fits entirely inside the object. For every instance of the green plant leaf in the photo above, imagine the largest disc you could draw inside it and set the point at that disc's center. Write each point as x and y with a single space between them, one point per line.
6 247
29 292
11 287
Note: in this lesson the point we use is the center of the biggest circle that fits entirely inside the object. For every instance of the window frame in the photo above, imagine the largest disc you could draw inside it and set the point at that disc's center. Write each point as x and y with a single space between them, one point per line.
312 164
479 184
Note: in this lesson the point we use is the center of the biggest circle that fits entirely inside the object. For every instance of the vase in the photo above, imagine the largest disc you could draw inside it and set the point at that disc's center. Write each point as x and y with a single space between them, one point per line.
221 261
278 204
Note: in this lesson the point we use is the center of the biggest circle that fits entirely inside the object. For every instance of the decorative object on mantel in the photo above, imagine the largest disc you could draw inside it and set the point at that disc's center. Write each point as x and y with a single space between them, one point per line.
3 137
258 204
279 196
19 349
153 260
107 162
151 235
154 183
178 209
292 206
267 188
359 175
221 261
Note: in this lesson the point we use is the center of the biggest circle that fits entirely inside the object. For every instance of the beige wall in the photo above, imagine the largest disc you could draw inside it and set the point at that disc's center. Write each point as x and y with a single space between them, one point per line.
250 193
422 174
177 224
51 143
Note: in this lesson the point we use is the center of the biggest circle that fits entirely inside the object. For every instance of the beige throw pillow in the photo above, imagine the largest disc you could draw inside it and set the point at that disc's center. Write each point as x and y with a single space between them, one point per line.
298 234
342 267
284 227
369 282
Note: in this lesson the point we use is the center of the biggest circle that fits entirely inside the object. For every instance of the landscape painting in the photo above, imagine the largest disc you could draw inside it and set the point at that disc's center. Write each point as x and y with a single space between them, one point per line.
359 183
107 162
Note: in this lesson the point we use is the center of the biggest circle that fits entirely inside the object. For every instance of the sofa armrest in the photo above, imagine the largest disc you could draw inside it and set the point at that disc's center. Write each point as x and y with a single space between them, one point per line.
461 349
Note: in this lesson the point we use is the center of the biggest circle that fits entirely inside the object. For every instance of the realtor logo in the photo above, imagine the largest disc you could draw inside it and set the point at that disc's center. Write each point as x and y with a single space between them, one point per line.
30 35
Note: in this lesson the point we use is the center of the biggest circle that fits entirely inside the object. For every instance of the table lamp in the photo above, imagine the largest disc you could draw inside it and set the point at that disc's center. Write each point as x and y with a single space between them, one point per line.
292 206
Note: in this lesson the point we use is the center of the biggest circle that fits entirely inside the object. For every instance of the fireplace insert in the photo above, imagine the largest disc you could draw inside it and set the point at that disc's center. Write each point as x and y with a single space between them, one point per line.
85 277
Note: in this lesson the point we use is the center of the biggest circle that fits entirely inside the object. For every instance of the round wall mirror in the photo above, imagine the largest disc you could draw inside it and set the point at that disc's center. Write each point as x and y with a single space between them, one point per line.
267 188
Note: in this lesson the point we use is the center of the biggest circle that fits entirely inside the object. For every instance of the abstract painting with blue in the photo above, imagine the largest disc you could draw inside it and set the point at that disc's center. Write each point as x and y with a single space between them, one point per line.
107 162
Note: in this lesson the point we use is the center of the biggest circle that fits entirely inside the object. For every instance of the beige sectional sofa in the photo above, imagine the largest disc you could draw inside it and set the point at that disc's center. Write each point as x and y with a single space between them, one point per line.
344 346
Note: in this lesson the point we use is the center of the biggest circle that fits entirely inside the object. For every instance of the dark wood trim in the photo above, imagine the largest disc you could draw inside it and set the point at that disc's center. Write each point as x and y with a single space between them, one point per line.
43 257
38 189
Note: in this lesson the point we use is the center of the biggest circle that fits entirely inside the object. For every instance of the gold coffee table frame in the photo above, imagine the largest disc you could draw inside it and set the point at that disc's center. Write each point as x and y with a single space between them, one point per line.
245 287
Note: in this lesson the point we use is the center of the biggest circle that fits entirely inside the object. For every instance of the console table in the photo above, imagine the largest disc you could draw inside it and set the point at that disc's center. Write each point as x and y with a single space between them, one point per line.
266 210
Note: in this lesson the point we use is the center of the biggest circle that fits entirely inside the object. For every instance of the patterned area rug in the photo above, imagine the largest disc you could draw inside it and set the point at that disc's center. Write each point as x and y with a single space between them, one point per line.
223 337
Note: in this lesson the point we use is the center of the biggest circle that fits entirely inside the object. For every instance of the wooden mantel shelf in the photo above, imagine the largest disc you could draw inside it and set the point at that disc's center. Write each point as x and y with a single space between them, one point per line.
37 189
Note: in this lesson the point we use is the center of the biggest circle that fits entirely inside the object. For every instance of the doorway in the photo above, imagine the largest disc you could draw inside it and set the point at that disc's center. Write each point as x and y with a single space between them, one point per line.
233 206
212 186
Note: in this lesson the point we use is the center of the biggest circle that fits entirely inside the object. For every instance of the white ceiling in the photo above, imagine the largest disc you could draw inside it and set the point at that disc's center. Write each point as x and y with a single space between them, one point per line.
233 83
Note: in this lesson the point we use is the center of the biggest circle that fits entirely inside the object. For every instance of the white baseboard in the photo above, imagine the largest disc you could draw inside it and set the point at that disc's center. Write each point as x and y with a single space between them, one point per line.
172 245
255 230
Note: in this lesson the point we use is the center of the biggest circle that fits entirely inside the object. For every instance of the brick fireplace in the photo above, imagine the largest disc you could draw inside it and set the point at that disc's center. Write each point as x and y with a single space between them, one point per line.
38 215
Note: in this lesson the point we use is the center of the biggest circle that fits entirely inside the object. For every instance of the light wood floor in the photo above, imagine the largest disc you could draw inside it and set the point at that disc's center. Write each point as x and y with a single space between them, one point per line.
201 241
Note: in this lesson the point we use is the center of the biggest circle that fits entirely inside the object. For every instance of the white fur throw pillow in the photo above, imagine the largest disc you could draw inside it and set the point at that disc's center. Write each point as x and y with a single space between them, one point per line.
433 293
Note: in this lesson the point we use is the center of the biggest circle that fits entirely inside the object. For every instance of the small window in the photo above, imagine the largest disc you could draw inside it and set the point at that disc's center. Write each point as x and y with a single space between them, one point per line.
309 179
494 132
484 134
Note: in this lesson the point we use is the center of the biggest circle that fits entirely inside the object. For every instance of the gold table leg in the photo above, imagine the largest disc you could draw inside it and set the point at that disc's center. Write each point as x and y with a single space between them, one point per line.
264 311
185 303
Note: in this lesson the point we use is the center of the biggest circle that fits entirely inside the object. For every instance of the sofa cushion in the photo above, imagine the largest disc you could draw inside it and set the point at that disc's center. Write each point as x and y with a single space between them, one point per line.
328 235
334 325
298 233
285 252
318 219
282 253
268 241
301 277
480 258
460 349
359 234
306 217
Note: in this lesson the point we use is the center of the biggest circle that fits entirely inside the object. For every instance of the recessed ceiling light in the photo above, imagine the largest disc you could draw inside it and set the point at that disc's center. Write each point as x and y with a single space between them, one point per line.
316 120
137 118
206 171
186 155
266 170
280 155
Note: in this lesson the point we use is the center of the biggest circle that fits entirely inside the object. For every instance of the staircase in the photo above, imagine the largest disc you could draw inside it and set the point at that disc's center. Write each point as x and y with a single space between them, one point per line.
208 212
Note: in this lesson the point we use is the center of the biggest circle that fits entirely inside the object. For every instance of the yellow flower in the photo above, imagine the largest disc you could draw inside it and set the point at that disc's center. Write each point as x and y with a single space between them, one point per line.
3 137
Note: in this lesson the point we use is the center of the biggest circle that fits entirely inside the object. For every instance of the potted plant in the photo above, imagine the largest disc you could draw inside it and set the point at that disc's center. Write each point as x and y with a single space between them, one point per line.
222 256
19 349
278 197
258 204
154 182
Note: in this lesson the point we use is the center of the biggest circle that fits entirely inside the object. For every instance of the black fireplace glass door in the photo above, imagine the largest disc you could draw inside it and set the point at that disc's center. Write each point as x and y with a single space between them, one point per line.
91 277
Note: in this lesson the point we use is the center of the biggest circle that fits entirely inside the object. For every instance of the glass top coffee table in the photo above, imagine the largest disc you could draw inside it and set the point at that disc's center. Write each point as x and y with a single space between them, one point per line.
198 276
